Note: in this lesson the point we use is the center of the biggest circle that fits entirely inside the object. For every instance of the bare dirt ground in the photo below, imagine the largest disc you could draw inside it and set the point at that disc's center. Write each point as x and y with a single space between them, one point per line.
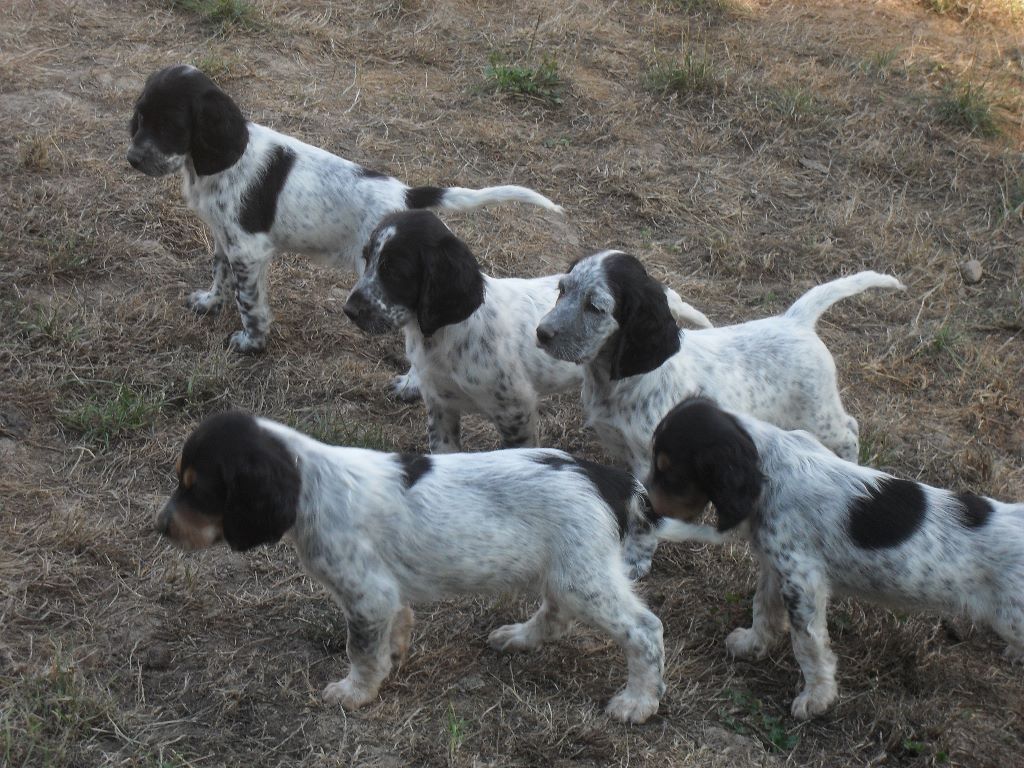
804 140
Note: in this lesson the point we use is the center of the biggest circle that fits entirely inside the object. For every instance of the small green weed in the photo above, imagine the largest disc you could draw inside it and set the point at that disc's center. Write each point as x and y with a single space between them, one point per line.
456 729
69 253
747 716
793 103
224 13
49 323
541 81
103 416
217 67
694 75
968 107
879 64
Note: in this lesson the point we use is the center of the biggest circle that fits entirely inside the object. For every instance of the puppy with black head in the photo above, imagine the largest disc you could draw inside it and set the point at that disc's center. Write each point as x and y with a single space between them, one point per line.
612 317
262 192
822 526
384 531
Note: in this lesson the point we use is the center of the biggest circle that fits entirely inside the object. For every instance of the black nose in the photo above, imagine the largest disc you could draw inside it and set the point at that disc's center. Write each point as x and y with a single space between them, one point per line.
544 334
355 306
351 312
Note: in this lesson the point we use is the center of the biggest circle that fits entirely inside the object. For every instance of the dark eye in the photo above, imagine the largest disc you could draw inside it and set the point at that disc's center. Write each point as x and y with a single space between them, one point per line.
591 307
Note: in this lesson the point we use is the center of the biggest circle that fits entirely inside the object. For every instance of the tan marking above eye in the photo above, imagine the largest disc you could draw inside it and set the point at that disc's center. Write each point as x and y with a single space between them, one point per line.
177 467
188 478
663 463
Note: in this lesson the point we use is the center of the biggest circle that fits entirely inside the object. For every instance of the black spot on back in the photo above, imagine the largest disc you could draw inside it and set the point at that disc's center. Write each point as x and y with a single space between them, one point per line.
974 510
259 202
555 461
616 487
424 197
888 514
368 173
414 466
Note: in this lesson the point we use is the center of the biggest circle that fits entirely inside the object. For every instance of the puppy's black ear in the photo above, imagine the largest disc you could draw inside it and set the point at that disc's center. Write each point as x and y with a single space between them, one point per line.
218 132
648 335
263 487
729 470
451 288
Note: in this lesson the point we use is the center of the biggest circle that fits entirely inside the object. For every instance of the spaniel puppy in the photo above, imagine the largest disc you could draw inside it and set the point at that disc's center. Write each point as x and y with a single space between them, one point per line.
470 336
612 318
384 531
262 192
821 526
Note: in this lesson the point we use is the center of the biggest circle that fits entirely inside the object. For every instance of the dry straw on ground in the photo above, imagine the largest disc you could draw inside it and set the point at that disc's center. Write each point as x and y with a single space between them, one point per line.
745 150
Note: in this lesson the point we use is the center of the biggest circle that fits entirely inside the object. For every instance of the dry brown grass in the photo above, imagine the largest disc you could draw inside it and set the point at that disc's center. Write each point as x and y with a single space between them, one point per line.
818 152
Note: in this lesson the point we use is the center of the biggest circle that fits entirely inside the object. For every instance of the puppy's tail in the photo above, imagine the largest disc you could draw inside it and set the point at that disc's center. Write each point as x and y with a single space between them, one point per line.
684 313
669 529
808 308
462 199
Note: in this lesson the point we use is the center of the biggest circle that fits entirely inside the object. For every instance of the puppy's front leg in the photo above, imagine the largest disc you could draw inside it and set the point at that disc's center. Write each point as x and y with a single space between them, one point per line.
443 426
251 298
210 302
517 425
807 600
770 619
370 652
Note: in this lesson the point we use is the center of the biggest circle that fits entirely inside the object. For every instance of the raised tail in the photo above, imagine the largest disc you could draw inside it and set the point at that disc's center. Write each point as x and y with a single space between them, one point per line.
684 313
669 529
461 198
808 308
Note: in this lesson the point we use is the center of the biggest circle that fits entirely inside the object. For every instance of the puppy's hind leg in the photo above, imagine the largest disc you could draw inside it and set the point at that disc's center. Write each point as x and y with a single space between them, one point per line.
807 601
638 552
548 623
612 607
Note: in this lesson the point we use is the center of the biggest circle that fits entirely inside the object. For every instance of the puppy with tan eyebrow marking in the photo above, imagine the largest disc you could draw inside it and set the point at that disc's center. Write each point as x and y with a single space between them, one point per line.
383 531
820 525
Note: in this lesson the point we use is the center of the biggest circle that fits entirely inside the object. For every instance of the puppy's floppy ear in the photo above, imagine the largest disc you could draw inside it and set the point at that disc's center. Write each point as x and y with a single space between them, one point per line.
263 485
452 287
648 335
729 470
218 132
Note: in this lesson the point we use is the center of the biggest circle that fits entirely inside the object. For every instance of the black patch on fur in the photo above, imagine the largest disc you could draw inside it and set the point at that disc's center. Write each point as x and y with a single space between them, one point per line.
259 201
888 514
245 475
648 334
709 451
414 466
974 510
182 111
427 269
555 461
368 173
424 197
616 488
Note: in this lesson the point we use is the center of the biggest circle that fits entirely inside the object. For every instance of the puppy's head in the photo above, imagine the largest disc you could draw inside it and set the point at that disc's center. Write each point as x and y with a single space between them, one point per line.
182 113
415 268
701 454
236 483
610 308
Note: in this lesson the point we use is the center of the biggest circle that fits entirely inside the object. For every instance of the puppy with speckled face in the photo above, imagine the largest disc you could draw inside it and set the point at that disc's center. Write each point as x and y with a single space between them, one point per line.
385 531
820 526
262 192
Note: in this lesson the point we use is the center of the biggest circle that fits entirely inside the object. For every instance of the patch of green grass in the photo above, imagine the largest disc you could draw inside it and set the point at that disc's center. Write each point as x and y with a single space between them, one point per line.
694 75
455 727
793 103
968 107
879 64
100 417
52 324
747 716
223 13
70 253
874 450
350 433
216 66
540 82
46 718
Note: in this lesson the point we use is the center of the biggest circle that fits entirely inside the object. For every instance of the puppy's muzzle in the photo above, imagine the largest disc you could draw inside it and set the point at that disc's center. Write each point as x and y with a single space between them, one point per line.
360 311
545 335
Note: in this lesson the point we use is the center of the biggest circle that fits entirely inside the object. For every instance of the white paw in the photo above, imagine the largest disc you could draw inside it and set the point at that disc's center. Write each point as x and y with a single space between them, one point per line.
406 387
204 302
241 341
745 643
1014 654
512 637
348 694
813 701
630 707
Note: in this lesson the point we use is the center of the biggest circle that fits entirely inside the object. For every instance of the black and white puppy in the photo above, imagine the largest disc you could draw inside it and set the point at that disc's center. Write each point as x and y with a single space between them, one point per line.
613 318
384 531
470 336
262 192
820 526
